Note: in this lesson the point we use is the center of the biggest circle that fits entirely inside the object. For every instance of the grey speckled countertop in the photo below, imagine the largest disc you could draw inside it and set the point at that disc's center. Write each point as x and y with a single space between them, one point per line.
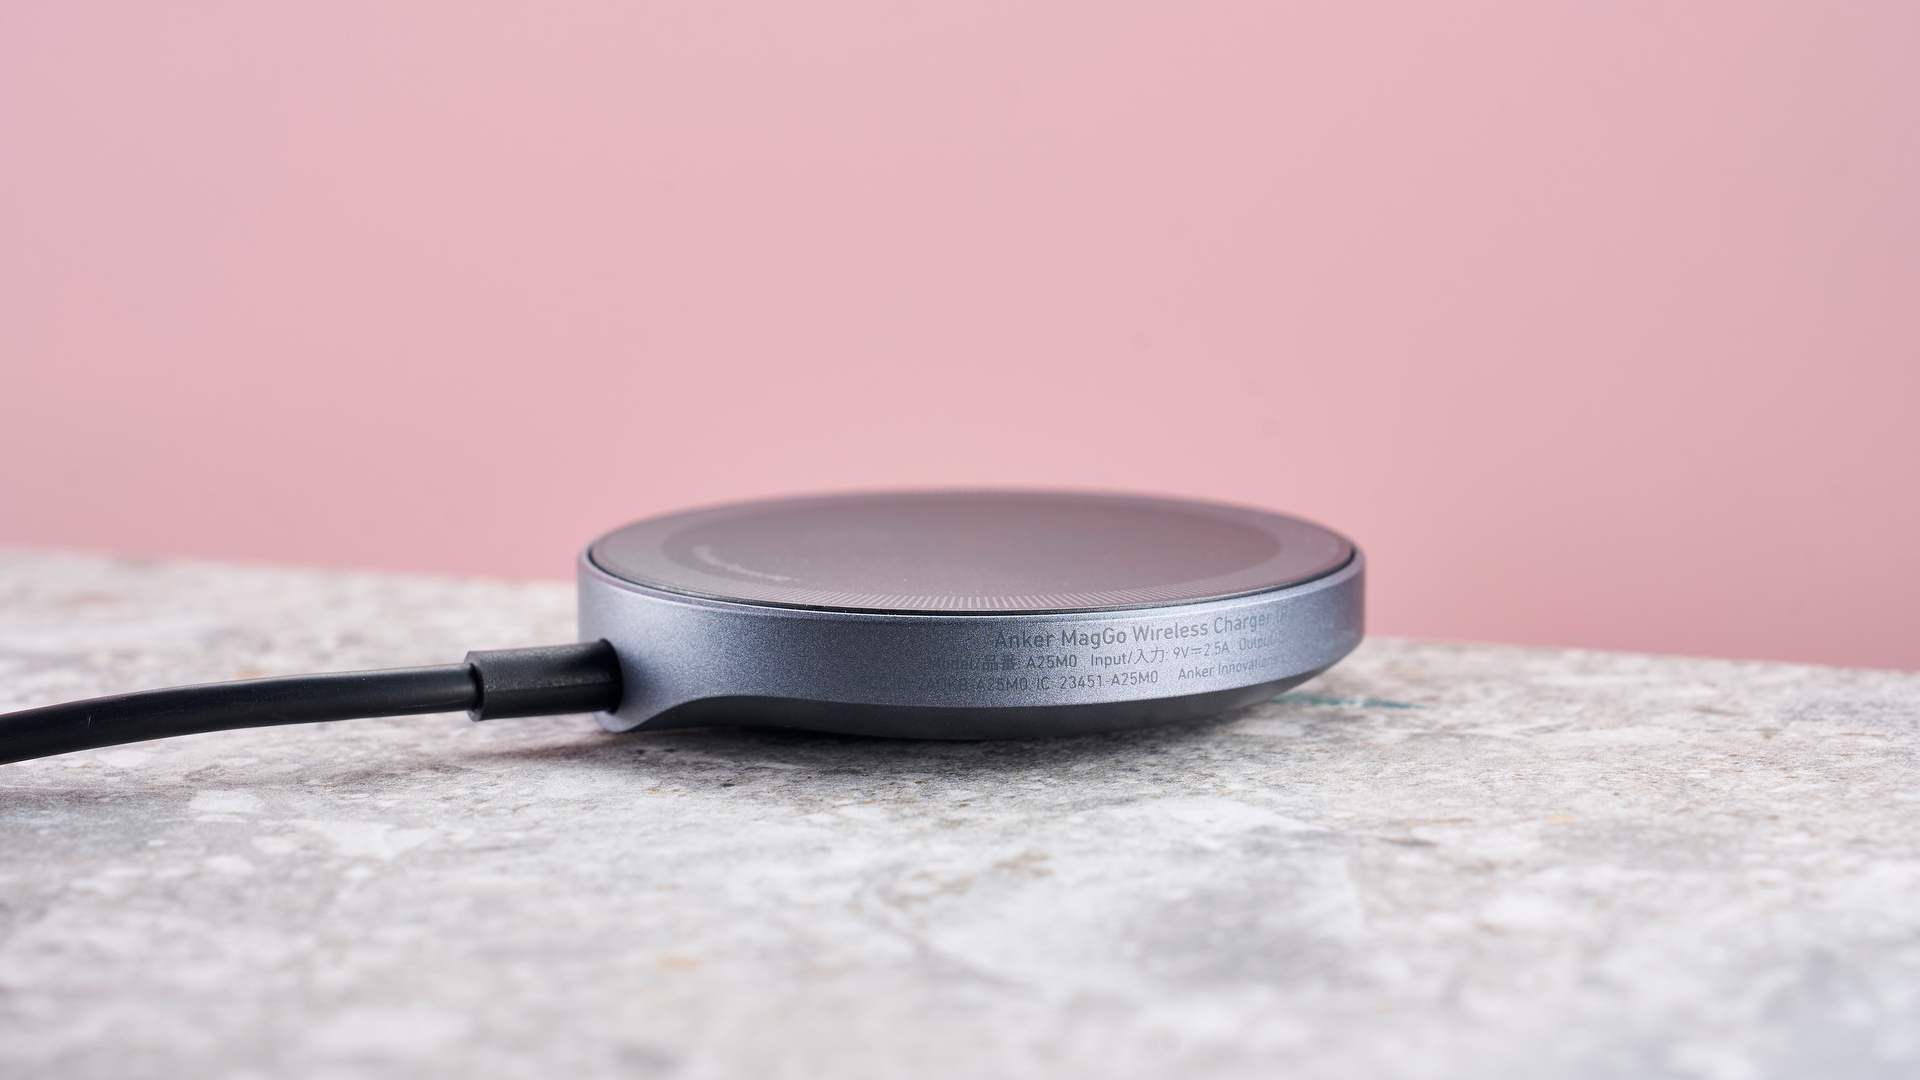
1436 861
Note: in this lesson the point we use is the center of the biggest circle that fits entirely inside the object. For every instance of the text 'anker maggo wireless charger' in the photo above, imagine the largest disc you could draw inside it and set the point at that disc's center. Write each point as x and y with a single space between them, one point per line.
933 615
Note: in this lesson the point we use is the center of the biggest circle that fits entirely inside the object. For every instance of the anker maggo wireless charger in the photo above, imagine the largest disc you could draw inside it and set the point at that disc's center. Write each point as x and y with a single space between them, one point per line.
931 615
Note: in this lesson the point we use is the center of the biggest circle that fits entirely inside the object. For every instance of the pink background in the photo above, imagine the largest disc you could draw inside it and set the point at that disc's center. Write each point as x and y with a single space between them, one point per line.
1596 323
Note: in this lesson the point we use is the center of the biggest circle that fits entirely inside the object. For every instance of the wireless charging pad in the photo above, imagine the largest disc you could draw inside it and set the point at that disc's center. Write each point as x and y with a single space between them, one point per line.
965 615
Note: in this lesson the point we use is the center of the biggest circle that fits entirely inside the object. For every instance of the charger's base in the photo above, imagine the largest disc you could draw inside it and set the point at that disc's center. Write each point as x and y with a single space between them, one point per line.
961 724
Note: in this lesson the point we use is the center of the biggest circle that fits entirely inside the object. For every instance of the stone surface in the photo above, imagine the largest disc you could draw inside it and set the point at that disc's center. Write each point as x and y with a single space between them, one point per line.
1436 861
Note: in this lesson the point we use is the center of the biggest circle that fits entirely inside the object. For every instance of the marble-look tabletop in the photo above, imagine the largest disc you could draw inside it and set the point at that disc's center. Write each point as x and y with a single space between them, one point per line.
1438 860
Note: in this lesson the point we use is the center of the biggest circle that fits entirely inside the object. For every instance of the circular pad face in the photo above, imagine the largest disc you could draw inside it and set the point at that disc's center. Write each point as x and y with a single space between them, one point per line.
960 552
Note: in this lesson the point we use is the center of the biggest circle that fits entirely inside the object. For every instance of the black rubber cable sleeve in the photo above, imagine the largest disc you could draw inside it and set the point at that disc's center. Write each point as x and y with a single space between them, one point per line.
545 680
184 710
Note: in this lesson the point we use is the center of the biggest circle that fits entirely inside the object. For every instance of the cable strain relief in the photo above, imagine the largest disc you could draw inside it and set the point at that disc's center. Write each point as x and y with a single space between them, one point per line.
546 680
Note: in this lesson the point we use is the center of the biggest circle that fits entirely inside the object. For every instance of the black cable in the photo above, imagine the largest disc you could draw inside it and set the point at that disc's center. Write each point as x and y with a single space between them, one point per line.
489 685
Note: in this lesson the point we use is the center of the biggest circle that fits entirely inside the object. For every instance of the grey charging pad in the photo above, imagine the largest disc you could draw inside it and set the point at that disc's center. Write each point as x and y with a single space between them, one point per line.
965 614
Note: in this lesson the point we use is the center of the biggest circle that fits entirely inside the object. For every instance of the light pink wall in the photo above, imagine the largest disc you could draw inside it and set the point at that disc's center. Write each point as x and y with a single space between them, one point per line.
1596 324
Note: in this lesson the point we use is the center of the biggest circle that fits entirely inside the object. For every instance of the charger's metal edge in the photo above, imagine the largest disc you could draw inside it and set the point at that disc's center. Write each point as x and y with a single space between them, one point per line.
676 649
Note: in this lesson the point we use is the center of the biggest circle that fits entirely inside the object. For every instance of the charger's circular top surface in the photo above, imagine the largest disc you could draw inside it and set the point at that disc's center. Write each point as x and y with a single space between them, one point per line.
960 552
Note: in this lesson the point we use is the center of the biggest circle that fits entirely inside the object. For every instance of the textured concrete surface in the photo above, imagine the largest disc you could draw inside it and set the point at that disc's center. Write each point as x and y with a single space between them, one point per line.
1436 861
